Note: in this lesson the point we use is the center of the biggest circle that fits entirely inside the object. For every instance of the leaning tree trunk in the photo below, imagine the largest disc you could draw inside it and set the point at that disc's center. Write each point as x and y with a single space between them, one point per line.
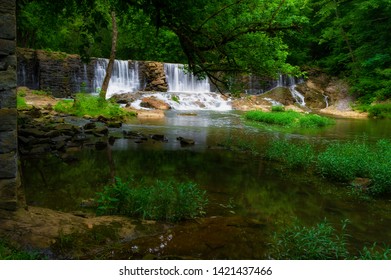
109 68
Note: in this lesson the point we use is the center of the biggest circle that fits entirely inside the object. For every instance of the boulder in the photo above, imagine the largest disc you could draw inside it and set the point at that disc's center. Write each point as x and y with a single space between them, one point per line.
185 141
154 103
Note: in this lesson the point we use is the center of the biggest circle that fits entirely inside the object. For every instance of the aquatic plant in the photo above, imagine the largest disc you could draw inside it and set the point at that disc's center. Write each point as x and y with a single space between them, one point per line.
162 200
375 252
346 161
93 106
299 155
319 242
289 119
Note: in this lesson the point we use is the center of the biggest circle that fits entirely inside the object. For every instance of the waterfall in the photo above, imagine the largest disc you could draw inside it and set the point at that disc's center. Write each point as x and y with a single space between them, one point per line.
124 78
186 101
326 100
180 81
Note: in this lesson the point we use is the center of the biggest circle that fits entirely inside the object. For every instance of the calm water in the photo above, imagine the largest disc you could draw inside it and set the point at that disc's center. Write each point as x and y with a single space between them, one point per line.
249 197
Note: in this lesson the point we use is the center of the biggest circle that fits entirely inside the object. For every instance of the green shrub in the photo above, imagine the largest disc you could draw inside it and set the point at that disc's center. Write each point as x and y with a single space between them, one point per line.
163 200
320 242
293 155
289 119
85 104
381 111
278 108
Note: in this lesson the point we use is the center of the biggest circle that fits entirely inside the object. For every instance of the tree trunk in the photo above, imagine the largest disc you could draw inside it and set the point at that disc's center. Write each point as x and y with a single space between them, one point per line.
109 68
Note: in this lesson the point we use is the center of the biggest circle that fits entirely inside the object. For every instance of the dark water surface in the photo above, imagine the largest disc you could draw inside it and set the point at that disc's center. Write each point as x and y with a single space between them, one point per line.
249 198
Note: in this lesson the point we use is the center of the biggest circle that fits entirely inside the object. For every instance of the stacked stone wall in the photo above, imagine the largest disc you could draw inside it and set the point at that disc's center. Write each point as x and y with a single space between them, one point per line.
9 176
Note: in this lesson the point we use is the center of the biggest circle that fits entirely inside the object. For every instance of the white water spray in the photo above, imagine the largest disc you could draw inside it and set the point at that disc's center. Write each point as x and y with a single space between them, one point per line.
180 81
124 78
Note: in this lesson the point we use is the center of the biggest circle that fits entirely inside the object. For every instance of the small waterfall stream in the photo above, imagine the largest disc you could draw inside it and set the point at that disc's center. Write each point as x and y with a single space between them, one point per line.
180 81
124 79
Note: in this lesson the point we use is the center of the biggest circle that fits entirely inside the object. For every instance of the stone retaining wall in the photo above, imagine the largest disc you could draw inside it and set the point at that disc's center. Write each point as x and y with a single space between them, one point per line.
9 175
62 74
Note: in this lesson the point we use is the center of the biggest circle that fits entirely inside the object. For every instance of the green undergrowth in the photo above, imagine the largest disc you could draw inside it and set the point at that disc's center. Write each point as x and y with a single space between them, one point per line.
90 105
345 161
299 155
161 200
340 161
320 242
9 252
379 111
289 119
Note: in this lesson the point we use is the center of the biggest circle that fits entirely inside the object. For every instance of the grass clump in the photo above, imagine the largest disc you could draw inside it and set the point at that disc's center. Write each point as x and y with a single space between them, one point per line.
320 242
289 119
162 200
91 105
278 108
21 102
293 155
346 161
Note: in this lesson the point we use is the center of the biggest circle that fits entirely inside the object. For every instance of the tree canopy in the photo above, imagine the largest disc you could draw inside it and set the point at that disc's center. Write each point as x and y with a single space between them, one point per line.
264 37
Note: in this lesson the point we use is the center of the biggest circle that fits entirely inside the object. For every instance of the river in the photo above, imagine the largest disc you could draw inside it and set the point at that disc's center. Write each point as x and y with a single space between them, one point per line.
249 197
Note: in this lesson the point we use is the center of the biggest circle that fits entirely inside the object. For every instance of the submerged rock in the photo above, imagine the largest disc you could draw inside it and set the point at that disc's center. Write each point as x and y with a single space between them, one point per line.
185 141
159 137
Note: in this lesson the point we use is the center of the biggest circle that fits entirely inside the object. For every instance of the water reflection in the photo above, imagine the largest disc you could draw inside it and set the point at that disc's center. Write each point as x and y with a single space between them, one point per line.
249 197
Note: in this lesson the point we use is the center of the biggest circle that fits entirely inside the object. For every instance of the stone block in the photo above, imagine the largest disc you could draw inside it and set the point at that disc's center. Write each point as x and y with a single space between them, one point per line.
8 119
8 165
8 188
8 6
8 142
7 47
7 26
10 205
8 79
7 99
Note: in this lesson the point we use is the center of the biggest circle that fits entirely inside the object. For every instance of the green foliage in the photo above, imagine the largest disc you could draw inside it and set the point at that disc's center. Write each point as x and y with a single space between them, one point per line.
175 98
320 242
289 119
162 200
346 161
375 252
381 111
93 106
292 155
21 102
8 252
279 108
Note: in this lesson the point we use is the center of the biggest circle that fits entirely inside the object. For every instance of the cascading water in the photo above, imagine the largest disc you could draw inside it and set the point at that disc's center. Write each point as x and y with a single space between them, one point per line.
124 78
187 92
180 81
